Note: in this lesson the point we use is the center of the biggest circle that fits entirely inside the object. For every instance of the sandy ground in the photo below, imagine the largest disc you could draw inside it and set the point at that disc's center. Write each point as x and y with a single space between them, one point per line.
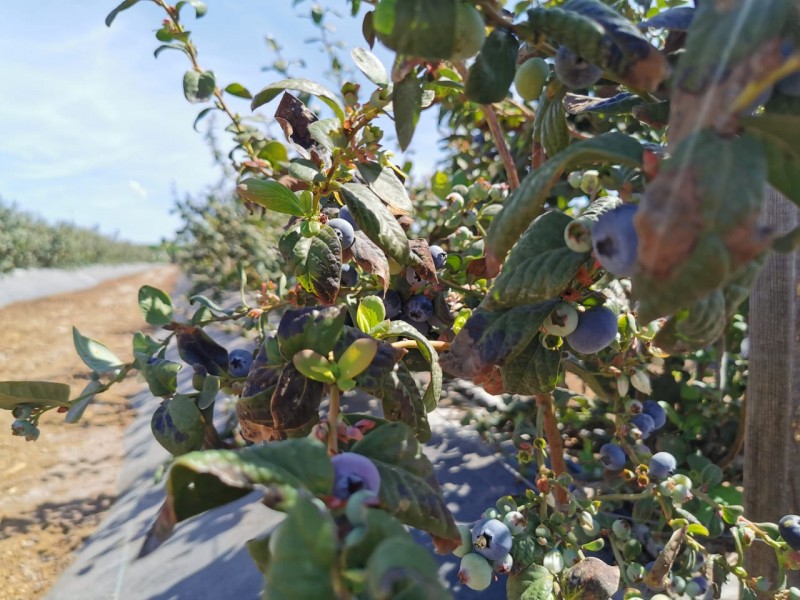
54 492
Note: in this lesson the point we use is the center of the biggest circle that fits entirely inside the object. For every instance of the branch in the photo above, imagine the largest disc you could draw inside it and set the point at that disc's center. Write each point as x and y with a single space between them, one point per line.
553 435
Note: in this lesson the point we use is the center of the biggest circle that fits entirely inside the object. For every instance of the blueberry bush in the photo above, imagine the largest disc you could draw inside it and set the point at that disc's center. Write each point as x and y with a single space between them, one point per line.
27 241
586 252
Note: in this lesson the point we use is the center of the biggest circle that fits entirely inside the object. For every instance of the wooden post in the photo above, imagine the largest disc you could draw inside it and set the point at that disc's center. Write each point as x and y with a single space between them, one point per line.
772 437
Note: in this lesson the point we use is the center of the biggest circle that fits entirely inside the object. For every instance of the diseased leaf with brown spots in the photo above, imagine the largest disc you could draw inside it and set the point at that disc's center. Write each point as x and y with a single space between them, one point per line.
370 258
295 402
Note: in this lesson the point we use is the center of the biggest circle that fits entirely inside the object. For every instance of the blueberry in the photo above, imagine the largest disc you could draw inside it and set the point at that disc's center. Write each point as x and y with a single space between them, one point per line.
659 415
349 276
614 240
644 423
475 571
346 215
419 308
393 303
239 362
597 328
466 540
439 256
573 71
696 587
662 464
503 565
491 539
345 232
789 527
612 457
353 472
561 321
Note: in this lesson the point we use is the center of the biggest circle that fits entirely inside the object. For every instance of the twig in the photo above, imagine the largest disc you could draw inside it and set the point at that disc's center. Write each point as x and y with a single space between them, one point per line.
437 345
553 435
333 422
497 134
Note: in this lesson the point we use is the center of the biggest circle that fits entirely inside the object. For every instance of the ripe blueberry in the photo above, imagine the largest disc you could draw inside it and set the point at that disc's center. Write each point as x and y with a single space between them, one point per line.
393 304
597 328
662 464
353 472
789 527
614 240
573 71
475 571
612 457
349 276
239 362
439 256
345 232
659 415
644 423
491 538
419 308
346 215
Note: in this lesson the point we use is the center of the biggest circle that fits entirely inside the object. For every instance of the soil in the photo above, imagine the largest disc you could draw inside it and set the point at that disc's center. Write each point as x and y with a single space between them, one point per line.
55 491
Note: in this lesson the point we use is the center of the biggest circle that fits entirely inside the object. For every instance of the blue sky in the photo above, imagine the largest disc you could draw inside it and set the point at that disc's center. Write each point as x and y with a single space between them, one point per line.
95 131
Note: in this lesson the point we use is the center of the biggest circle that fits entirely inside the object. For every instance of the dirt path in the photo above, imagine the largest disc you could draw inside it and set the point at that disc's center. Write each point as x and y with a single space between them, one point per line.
54 492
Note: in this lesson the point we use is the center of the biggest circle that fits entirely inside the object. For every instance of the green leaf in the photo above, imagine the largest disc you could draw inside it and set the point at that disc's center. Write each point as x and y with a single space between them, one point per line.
200 8
492 73
271 195
178 425
377 222
621 104
38 393
95 355
157 52
401 569
535 370
317 328
274 152
386 185
319 264
161 376
238 90
527 202
423 28
304 562
77 409
305 170
120 7
534 583
731 514
314 366
550 128
200 481
328 133
780 135
155 305
407 104
208 395
491 337
371 311
400 328
409 489
697 529
371 66
539 267
202 115
209 304
299 85
356 358
696 327
199 87
259 550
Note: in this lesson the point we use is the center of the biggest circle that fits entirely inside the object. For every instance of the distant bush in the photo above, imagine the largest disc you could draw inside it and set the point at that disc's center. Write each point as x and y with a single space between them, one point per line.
219 236
27 241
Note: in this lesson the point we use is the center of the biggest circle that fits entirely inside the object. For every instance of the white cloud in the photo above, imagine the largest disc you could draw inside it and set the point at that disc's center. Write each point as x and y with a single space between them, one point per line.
138 189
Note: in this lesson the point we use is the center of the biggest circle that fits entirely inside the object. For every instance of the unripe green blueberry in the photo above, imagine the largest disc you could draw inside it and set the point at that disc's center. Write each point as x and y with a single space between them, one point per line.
475 571
531 77
358 504
574 179
553 561
621 529
635 572
466 540
562 320
590 182
515 521
470 32
503 565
